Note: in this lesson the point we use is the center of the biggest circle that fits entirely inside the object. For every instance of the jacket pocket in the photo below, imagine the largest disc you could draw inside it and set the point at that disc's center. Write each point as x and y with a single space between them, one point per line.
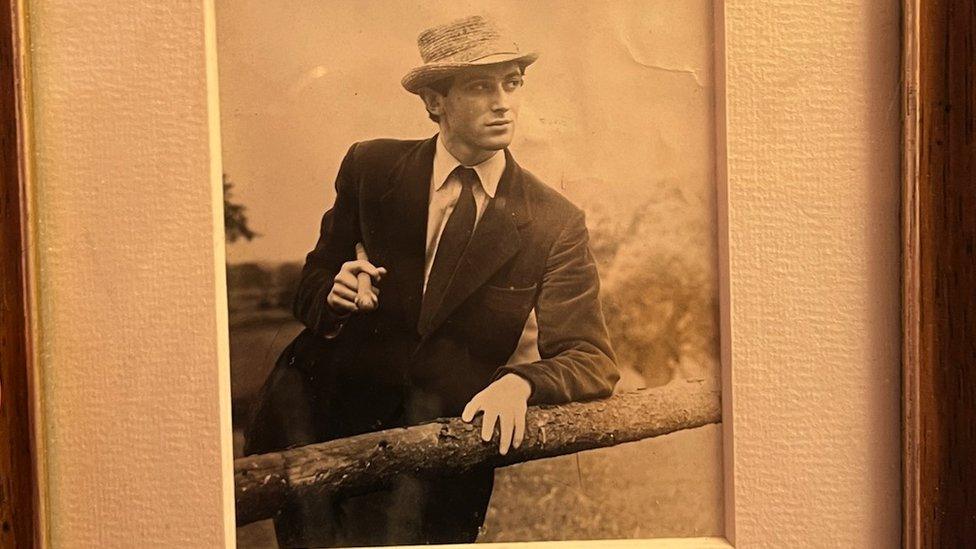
496 322
515 300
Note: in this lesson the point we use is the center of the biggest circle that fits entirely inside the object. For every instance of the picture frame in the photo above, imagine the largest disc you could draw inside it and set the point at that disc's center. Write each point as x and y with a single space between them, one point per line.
938 253
21 504
937 304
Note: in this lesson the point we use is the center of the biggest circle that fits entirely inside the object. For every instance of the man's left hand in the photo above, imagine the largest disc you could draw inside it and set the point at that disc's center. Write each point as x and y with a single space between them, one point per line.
505 400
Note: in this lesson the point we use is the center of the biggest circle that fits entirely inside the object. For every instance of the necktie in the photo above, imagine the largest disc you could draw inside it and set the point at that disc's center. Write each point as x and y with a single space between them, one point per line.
454 239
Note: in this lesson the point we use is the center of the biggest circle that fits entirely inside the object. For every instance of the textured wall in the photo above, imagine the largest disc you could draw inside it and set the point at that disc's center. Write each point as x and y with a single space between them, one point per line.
814 253
130 299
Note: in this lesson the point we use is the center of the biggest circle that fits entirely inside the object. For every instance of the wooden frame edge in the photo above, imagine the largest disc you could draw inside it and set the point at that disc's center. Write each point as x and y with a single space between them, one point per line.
939 274
910 274
21 467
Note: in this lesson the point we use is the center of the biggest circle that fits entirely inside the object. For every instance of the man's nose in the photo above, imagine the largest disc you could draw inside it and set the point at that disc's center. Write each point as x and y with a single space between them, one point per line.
499 99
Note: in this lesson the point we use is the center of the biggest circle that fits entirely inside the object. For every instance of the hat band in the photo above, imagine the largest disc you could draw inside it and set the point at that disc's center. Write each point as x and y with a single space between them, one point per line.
504 55
492 55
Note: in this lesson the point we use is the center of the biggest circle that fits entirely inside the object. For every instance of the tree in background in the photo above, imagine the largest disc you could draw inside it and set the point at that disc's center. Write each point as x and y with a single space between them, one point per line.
247 284
235 218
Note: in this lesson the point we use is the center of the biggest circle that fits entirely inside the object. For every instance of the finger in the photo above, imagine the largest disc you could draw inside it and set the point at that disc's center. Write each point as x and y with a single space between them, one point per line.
340 304
519 429
488 424
366 303
471 410
344 292
356 267
505 426
347 279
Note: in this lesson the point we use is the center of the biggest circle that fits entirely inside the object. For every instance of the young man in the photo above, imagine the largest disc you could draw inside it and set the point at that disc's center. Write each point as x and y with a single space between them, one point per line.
487 300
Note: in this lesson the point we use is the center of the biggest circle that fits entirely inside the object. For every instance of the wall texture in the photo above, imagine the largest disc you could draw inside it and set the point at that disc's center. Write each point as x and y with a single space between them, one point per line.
131 296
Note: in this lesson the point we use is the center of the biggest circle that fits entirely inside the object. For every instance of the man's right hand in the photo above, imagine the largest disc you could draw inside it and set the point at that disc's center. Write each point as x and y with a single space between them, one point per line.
342 298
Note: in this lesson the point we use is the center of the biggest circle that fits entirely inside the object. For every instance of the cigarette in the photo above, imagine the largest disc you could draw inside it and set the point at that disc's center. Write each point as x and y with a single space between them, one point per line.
365 300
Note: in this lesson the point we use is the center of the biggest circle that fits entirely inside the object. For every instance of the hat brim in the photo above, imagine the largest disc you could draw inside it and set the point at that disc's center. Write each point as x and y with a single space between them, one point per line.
422 76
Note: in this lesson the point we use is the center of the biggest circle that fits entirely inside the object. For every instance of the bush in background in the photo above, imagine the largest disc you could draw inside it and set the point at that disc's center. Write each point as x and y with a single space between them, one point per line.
656 255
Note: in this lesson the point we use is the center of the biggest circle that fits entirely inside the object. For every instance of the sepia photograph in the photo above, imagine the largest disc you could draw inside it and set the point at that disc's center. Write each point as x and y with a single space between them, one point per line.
472 270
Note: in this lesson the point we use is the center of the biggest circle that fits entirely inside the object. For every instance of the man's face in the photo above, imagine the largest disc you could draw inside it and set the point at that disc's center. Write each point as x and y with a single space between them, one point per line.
480 110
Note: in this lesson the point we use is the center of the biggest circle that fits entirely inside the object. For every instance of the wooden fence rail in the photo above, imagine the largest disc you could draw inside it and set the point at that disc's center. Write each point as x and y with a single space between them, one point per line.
446 446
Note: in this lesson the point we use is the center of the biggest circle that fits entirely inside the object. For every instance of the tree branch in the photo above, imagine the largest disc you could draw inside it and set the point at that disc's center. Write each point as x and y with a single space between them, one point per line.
449 446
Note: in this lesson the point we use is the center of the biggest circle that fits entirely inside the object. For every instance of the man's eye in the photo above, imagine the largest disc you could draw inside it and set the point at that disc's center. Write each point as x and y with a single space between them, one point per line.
513 84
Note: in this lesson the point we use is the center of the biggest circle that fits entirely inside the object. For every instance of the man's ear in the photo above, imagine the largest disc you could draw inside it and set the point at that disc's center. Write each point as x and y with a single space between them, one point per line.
433 101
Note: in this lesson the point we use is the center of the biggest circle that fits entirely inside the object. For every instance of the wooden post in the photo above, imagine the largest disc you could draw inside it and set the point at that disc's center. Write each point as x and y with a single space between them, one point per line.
447 446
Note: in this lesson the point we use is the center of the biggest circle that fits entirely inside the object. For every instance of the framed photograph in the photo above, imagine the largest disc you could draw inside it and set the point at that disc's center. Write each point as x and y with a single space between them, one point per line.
371 273
536 200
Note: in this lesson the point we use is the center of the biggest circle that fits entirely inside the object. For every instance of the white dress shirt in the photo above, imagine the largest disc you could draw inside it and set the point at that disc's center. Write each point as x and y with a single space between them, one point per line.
445 189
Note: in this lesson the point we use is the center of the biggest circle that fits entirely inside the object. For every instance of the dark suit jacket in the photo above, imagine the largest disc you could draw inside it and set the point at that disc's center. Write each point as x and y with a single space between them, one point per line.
528 250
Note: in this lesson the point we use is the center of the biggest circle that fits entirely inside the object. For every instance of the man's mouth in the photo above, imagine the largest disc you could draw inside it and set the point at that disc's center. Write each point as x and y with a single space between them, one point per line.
499 122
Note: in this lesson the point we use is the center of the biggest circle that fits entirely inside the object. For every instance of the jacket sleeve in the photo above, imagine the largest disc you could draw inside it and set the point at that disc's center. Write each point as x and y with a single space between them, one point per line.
338 236
577 361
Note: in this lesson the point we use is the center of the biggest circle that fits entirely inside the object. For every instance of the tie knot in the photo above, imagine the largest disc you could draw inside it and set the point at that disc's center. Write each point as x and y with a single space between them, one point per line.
467 176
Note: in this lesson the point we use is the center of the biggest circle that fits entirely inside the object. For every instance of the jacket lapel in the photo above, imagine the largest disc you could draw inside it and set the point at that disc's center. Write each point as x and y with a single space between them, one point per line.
495 241
403 221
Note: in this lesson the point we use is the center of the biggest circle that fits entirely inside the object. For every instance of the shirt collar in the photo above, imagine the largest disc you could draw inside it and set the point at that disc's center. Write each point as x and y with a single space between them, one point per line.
489 171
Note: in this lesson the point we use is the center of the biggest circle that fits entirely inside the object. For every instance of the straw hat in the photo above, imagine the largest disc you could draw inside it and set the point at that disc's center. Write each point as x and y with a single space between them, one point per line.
463 43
